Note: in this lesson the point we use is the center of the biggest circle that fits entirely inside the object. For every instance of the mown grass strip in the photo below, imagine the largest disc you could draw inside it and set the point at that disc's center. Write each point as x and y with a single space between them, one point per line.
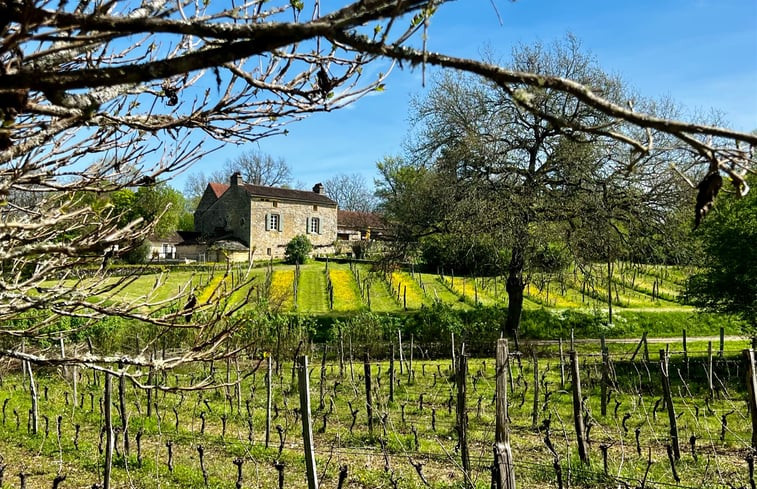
436 291
311 290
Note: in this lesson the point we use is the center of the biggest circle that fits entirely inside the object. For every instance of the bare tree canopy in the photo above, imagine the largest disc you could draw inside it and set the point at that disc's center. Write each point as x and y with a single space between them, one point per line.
351 192
259 168
255 167
97 96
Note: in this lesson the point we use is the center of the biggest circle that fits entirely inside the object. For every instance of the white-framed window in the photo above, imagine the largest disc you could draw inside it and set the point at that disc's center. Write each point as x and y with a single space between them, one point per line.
313 225
273 222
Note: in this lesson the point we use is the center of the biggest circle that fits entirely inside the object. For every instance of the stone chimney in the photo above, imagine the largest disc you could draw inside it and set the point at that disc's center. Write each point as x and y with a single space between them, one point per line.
318 188
236 179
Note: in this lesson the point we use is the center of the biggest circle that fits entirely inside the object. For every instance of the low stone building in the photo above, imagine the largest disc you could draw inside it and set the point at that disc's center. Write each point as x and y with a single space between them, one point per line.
264 219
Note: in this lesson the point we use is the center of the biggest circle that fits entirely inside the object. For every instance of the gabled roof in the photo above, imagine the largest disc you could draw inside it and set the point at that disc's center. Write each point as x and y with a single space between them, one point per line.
278 193
218 188
287 194
359 220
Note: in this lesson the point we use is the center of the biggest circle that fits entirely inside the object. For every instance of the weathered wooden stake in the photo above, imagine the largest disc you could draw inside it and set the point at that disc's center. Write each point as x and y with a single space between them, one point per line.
368 397
268 398
462 417
399 345
410 365
751 383
391 376
322 384
710 385
35 405
562 366
665 377
108 431
122 408
605 379
577 414
503 456
535 409
685 354
307 427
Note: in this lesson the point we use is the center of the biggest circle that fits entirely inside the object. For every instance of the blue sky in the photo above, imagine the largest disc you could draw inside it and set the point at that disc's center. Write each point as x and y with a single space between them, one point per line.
700 53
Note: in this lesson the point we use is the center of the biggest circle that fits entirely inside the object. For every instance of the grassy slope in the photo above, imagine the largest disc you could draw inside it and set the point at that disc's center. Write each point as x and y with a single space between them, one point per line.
632 289
311 291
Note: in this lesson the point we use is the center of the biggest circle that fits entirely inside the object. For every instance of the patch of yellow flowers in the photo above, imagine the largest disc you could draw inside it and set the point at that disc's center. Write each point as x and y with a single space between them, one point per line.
212 289
282 289
346 296
400 280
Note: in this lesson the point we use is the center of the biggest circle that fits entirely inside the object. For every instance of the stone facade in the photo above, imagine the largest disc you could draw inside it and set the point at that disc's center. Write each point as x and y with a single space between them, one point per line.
265 219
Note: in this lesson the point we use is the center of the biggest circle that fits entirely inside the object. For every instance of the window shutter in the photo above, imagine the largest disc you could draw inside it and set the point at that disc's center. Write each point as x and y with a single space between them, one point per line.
307 225
281 222
319 225
267 222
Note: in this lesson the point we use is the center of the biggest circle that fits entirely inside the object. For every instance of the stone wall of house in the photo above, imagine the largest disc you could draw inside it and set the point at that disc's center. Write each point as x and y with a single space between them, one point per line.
227 216
294 218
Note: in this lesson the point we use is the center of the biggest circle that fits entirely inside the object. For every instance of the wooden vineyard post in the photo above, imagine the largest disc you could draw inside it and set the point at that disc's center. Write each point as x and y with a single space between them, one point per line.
35 404
391 376
669 404
722 342
368 397
352 371
605 378
709 369
503 456
399 345
341 354
322 382
307 427
685 354
454 361
410 365
122 409
751 384
107 402
562 366
268 397
462 416
535 410
577 408
642 342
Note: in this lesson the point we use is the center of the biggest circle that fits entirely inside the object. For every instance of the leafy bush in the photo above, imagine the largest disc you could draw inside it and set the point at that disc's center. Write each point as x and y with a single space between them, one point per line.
297 250
138 254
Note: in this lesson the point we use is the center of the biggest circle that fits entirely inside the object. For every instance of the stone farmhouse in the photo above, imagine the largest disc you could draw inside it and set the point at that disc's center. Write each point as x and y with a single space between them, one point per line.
239 221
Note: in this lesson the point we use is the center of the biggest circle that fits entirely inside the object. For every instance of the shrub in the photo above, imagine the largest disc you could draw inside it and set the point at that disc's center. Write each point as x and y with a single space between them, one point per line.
138 254
297 250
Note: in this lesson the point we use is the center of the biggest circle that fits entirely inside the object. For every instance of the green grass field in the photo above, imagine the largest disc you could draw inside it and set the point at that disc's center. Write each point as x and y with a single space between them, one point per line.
633 288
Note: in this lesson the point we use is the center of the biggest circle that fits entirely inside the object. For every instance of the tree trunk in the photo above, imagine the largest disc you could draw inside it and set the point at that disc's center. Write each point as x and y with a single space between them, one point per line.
514 287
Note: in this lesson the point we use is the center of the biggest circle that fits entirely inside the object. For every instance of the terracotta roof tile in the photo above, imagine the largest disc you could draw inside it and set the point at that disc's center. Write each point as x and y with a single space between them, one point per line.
218 188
